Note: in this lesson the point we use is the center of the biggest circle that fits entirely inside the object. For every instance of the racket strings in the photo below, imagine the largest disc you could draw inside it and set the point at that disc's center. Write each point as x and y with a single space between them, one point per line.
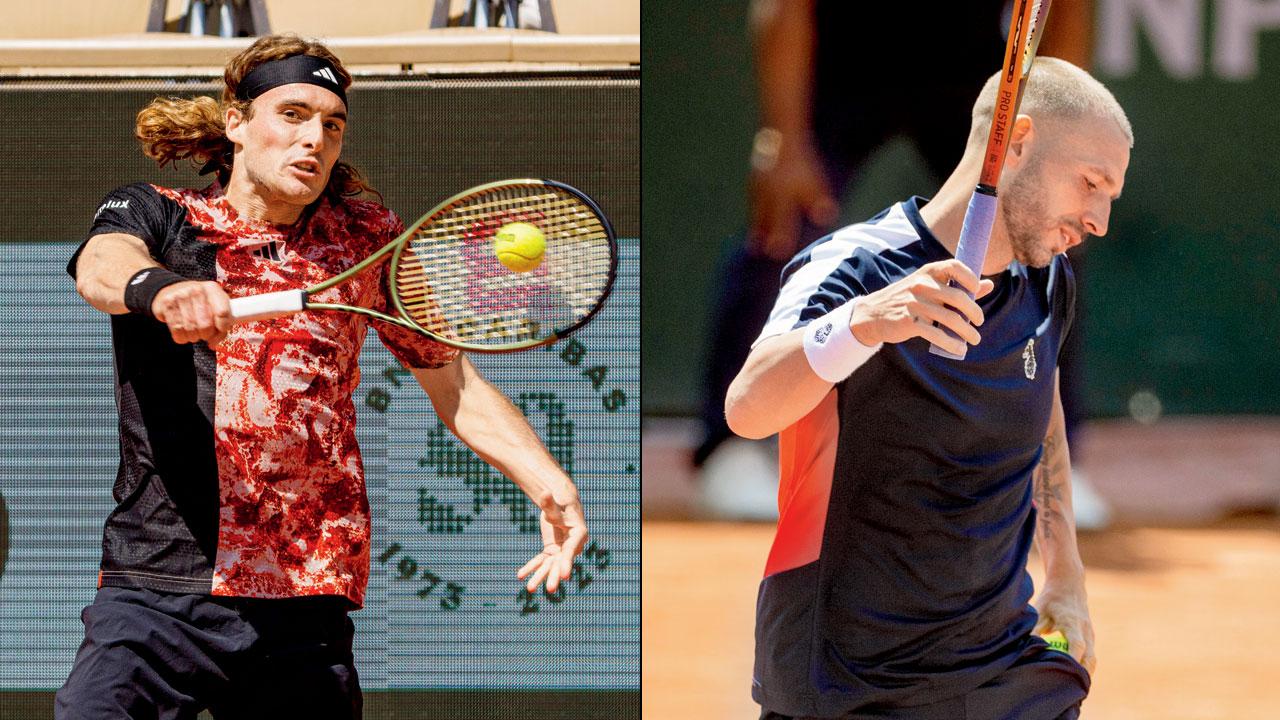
451 281
559 233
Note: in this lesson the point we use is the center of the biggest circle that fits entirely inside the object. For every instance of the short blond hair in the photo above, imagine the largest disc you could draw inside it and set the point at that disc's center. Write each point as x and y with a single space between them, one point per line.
1055 89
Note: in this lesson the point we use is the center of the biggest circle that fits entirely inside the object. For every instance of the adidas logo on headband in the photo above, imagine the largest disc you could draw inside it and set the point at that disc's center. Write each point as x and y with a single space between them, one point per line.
294 69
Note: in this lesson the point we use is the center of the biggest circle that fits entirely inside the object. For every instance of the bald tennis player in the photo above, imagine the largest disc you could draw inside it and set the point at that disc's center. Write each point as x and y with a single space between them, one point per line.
913 485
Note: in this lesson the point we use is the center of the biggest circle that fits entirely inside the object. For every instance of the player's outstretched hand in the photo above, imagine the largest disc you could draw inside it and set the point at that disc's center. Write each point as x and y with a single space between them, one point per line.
194 310
921 305
564 532
1063 607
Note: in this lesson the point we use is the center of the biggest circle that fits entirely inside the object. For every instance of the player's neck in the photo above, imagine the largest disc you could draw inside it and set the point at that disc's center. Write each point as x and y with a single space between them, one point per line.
944 215
252 201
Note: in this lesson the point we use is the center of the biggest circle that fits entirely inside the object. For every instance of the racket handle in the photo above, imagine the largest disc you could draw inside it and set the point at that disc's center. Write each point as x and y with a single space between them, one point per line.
972 249
267 305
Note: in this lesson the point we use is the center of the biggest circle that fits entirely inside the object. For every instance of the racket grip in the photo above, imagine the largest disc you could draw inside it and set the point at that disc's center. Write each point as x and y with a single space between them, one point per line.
972 249
267 305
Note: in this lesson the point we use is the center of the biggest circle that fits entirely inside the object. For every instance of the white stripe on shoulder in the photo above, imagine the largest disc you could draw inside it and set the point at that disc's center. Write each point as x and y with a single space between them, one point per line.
890 232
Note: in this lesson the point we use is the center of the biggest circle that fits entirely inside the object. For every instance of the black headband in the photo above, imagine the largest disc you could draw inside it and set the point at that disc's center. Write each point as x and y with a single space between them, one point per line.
297 69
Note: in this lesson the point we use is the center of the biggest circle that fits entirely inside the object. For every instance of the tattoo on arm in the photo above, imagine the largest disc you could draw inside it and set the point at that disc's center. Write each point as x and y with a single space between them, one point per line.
1048 480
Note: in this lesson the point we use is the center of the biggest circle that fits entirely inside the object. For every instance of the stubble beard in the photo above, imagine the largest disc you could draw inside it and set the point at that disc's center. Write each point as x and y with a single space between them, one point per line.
1025 216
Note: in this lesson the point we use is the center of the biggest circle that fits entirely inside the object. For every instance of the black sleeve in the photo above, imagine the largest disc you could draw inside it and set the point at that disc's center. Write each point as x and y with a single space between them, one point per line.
136 210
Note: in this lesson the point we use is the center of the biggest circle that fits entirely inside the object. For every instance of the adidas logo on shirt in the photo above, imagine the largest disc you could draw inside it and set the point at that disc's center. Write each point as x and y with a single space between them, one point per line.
327 74
273 251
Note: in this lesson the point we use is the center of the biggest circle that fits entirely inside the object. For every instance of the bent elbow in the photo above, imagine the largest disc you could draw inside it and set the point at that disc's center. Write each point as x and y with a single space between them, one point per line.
749 431
742 420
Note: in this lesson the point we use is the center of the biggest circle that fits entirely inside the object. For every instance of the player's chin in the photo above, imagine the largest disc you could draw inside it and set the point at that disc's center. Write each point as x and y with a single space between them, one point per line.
1039 257
1043 262
302 191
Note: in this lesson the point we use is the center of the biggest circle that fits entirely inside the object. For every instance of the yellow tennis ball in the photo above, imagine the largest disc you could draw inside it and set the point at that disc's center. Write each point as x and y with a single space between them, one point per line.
1057 641
519 246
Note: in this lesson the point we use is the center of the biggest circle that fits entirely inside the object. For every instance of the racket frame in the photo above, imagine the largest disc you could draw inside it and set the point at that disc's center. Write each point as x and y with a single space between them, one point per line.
396 249
558 333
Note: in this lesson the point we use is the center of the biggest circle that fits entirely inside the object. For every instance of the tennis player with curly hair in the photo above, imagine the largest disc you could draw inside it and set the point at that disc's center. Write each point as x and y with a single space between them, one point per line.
241 536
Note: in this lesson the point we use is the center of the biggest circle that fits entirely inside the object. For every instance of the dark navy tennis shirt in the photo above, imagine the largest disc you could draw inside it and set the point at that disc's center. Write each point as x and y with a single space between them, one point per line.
898 574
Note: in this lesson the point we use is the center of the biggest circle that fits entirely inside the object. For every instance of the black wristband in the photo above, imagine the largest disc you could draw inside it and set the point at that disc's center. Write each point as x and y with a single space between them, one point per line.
145 285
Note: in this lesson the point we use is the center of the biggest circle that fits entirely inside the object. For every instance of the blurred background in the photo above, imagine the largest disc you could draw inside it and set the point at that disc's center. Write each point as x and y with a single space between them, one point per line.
446 95
1173 387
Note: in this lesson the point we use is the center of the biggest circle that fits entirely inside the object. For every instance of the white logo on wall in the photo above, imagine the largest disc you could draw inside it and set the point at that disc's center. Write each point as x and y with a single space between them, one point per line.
1029 359
327 74
1179 33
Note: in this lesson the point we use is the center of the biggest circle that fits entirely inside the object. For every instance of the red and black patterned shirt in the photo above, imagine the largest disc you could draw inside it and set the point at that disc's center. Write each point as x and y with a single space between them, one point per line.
239 471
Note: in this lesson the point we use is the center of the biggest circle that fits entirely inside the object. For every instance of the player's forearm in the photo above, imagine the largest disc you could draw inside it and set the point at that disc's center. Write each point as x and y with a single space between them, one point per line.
785 40
775 388
488 423
500 435
105 266
1055 518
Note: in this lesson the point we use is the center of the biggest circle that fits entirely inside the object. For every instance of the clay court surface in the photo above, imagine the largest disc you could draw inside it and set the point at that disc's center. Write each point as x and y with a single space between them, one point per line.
1186 619
1184 589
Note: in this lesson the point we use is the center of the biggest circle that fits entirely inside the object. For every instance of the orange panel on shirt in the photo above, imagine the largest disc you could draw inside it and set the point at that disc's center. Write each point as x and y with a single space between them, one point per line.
806 463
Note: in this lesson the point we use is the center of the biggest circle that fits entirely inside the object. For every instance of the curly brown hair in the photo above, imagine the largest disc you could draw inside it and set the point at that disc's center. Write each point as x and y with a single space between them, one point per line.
172 128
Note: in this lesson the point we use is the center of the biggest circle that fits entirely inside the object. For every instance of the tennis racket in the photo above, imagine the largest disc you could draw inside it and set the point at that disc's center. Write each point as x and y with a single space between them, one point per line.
448 283
1025 30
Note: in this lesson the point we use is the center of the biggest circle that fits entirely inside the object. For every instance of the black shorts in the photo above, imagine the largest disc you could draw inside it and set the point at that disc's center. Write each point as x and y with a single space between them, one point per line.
1042 685
167 656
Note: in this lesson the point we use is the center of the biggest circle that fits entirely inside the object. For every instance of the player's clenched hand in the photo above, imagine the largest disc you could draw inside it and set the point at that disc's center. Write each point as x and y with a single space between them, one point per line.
564 532
921 305
194 310
1063 607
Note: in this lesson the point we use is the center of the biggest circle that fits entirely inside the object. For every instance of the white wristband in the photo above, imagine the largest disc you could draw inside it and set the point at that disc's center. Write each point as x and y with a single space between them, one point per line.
831 347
